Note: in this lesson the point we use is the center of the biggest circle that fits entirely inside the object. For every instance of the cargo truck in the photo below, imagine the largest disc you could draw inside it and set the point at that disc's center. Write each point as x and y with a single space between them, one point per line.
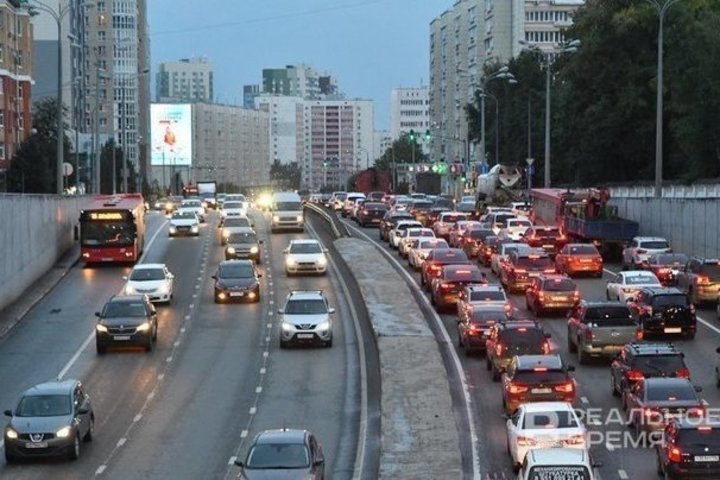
207 192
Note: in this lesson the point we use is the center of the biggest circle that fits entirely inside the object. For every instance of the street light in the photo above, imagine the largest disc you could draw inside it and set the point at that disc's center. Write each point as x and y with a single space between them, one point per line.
549 59
58 15
662 8
502 73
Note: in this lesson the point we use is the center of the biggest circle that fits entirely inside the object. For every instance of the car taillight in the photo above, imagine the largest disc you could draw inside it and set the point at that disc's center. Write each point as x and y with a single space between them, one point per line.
526 442
549 270
663 271
565 388
652 413
588 336
515 389
635 375
499 349
683 373
703 280
575 440
541 295
434 269
641 251
546 348
674 455
508 307
695 412
627 290
692 309
576 295
446 286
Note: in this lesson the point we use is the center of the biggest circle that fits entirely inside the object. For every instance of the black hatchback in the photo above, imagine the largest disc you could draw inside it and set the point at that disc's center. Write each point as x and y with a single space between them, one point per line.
689 448
664 311
371 213
236 280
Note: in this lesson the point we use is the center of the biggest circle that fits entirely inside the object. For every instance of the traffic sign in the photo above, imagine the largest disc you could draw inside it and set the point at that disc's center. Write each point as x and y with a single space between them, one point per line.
530 160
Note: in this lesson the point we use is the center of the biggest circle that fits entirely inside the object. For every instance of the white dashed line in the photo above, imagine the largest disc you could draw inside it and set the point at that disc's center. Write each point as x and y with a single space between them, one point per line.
584 400
161 376
269 325
121 442
100 469
232 460
265 354
623 475
253 410
244 434
137 417
151 395
194 295
270 284
182 330
271 302
258 389
270 313
168 359
267 339
263 371
177 343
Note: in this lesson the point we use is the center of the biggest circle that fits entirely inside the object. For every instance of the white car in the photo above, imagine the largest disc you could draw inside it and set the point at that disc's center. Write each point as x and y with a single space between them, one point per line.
184 222
625 285
151 279
520 209
641 249
194 205
401 204
515 228
421 248
559 463
232 208
305 256
409 235
445 222
543 425
503 253
394 235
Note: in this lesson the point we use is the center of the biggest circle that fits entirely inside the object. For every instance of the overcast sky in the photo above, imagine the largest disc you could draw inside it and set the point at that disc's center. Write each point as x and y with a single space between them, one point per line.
370 46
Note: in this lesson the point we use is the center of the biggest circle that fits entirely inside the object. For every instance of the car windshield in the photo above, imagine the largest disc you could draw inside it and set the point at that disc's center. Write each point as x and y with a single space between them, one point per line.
559 285
375 207
305 307
305 248
232 205
509 247
242 270
236 222
242 237
641 279
420 233
559 472
669 259
288 206
534 262
655 244
610 316
583 250
712 271
44 406
502 218
700 437
479 233
653 365
124 309
108 234
466 207
661 392
180 215
675 300
551 419
540 376
422 205
146 274
278 456
487 296
405 226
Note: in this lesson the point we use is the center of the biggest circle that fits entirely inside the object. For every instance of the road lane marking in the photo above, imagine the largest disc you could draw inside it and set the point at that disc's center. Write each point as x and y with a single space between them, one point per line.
244 434
258 389
76 355
137 418
146 248
263 370
160 377
100 469
121 442
623 475
232 460
253 410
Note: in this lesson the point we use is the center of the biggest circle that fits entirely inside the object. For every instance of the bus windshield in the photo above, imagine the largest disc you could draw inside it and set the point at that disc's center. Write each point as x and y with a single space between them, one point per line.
107 234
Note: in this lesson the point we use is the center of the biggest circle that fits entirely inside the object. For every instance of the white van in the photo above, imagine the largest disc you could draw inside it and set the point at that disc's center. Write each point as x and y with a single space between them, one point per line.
287 212
572 463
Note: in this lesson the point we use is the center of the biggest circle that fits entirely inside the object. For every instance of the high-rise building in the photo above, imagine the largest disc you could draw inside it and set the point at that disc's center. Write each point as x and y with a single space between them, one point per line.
335 139
16 80
410 110
298 81
383 141
282 111
187 80
250 92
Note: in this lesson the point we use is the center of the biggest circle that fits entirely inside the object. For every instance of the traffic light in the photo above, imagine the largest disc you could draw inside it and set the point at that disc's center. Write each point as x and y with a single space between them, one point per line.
412 135
454 169
428 136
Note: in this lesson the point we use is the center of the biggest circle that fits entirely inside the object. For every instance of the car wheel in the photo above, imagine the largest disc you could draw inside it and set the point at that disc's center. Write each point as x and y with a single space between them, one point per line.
149 345
10 458
91 430
101 349
74 453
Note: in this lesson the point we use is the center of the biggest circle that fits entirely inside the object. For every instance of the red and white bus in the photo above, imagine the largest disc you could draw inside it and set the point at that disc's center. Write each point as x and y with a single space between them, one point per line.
112 229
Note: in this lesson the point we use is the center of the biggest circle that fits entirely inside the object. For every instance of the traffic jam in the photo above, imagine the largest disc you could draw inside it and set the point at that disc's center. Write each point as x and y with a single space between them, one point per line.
554 297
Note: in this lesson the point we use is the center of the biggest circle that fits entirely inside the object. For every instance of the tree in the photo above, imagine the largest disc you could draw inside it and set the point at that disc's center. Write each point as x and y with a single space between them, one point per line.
287 176
33 167
106 170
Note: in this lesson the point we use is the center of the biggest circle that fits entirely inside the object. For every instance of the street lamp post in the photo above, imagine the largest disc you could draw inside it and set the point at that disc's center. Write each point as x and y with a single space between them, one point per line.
502 73
662 8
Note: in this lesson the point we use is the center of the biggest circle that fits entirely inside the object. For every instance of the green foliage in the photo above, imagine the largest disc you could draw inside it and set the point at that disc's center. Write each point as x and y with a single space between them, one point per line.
286 176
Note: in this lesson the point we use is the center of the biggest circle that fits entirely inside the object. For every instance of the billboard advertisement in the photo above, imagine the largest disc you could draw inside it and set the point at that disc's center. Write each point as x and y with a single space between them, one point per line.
171 134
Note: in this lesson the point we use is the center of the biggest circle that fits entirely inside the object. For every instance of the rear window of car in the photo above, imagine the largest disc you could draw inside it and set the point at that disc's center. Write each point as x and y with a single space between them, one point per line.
375 206
712 271
547 420
236 222
502 219
523 341
487 296
547 232
676 300
546 376
559 285
439 243
453 255
654 244
559 472
452 217
405 226
466 207
707 437
658 365
534 262
669 259
676 391
422 204
641 279
583 250
485 316
464 274
479 233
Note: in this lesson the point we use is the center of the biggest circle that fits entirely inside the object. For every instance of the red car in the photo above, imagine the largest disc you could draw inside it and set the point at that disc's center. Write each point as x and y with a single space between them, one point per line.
574 258
436 259
549 239
666 266
446 286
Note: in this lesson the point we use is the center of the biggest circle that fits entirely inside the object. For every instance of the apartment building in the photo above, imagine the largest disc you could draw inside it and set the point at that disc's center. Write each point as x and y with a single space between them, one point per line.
187 80
410 110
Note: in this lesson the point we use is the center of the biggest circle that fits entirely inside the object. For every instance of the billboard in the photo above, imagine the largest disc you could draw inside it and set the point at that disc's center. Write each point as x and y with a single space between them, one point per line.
171 134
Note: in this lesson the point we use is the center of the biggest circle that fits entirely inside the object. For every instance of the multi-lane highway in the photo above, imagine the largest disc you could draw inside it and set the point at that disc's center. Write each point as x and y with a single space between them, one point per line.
216 377
613 445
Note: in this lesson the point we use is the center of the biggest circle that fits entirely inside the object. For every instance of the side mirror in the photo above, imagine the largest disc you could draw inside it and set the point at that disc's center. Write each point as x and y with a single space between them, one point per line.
280 311
8 413
698 388
331 310
571 368
97 314
125 277
260 242
239 463
83 411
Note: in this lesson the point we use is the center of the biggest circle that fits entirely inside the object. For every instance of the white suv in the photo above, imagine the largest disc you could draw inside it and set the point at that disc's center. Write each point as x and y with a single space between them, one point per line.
306 319
641 249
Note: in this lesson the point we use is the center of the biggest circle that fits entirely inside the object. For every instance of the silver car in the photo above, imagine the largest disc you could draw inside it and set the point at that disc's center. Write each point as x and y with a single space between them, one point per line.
306 319
284 455
51 419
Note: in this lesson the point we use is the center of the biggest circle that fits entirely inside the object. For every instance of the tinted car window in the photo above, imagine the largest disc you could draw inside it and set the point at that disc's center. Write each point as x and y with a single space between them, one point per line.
450 256
658 364
479 234
548 376
305 248
487 296
375 206
464 275
180 215
547 232
527 341
44 406
608 312
231 205
236 222
236 271
534 262
559 285
487 316
711 271
670 258
299 307
639 279
274 456
659 392
583 250
422 204
545 420
236 237
124 309
678 300
654 245
700 438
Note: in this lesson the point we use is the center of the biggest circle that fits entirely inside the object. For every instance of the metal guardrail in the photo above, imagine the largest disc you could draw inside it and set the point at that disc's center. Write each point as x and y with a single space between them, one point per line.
670 191
331 219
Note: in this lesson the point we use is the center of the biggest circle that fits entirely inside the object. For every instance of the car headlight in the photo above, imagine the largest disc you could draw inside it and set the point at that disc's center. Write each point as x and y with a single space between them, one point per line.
194 228
164 289
63 432
173 229
276 218
101 328
226 233
322 261
129 290
231 250
254 249
11 434
288 327
324 326
143 327
168 206
299 218
290 261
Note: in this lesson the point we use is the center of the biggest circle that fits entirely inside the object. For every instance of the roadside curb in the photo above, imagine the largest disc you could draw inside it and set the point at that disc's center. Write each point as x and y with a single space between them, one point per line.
14 313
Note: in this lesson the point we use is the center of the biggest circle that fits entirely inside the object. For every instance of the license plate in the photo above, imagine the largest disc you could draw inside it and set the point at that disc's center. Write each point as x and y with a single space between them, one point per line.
559 299
707 458
585 260
121 337
673 330
557 445
540 390
36 445
305 335
548 246
375 220
237 294
107 259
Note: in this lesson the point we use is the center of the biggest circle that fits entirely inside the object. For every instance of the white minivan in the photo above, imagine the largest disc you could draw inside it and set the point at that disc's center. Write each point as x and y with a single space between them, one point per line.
286 210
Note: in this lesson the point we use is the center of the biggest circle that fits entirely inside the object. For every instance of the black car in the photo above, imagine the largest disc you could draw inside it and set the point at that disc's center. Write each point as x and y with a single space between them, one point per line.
474 326
652 402
474 239
537 378
126 320
242 242
664 311
645 360
389 222
236 280
689 448
51 419
371 213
